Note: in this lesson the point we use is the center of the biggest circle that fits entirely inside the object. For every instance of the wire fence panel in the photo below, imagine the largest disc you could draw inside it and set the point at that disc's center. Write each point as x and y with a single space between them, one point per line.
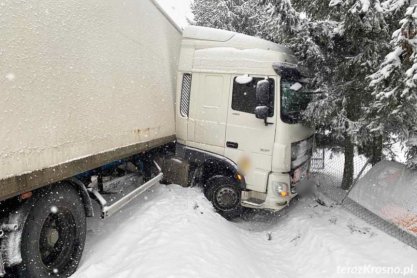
329 165
327 168
380 223
318 161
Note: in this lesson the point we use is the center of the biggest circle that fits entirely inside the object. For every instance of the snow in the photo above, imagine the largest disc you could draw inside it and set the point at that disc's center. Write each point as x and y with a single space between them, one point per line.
179 10
361 6
335 2
394 5
365 5
392 61
10 76
243 79
176 233
400 151
54 209
296 86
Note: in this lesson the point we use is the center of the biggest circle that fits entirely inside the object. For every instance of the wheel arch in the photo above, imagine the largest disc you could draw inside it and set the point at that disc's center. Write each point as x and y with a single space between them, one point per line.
213 167
206 165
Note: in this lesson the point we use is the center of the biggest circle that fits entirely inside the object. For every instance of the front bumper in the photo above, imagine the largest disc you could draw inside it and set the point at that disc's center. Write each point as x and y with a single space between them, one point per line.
274 199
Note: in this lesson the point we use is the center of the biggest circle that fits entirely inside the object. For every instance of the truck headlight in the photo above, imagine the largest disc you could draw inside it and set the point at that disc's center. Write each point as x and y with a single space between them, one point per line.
281 188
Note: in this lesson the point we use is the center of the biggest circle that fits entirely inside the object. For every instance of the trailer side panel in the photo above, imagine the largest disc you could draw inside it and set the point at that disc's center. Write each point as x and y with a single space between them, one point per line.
81 82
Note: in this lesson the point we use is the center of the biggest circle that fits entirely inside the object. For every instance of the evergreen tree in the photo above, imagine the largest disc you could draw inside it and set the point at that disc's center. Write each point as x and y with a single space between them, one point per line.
233 15
366 36
394 110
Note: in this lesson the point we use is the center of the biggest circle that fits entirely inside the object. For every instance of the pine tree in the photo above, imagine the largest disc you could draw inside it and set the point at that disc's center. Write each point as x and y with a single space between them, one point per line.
393 113
233 15
357 50
366 40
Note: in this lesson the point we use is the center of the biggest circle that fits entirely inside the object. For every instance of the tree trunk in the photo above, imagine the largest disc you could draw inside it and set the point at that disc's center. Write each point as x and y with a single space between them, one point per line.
376 150
349 167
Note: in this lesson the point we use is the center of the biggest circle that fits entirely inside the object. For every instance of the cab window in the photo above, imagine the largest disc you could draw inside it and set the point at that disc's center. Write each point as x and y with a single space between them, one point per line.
244 96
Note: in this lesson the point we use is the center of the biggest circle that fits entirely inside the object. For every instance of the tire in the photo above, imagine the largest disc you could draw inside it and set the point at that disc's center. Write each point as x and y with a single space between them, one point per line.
224 194
54 234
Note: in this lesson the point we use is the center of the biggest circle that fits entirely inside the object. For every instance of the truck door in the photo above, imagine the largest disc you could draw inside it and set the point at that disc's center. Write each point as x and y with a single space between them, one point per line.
249 142
208 112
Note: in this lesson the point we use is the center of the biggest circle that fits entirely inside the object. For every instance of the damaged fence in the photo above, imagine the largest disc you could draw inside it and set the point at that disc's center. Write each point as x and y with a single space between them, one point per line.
384 195
329 165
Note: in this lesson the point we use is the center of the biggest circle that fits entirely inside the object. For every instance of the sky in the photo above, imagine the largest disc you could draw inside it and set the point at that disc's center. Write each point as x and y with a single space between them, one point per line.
179 10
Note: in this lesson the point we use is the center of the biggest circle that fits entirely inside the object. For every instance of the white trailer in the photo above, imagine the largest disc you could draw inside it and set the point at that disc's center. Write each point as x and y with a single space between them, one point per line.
80 79
89 104
83 84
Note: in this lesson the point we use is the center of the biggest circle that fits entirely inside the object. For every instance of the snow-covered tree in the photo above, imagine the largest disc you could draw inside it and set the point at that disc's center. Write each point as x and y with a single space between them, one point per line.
365 41
349 40
232 15
394 110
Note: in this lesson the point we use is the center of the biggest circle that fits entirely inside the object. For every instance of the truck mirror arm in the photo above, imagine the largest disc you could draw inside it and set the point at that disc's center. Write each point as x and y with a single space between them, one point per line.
267 123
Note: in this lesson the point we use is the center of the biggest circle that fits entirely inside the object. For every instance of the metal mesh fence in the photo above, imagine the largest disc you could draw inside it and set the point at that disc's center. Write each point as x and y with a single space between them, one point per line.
378 222
327 168
328 165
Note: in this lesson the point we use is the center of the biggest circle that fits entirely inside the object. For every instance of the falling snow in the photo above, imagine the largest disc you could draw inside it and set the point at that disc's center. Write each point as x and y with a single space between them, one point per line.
54 209
10 76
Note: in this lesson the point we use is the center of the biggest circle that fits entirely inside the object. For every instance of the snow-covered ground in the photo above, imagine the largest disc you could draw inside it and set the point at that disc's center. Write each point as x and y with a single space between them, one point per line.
174 232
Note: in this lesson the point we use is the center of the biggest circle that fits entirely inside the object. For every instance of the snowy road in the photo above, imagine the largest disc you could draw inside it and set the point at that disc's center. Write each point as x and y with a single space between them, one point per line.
174 232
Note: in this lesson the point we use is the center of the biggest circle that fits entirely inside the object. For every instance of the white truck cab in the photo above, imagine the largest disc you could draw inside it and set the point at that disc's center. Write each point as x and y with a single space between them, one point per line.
238 104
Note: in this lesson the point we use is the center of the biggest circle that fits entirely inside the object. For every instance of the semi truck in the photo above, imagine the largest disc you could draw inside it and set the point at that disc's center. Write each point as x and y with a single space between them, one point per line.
100 101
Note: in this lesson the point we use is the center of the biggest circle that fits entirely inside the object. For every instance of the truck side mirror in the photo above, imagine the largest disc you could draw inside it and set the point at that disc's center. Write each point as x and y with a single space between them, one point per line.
261 112
263 90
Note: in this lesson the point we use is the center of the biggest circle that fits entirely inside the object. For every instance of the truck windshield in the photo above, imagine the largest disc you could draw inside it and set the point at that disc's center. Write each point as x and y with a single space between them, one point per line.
294 100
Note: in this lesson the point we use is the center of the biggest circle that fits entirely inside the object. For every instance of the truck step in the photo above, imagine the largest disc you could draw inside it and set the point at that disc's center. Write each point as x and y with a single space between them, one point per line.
111 209
118 185
253 202
132 188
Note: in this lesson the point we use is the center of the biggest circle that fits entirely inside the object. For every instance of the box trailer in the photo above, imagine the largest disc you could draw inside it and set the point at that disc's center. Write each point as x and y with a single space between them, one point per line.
102 100
84 84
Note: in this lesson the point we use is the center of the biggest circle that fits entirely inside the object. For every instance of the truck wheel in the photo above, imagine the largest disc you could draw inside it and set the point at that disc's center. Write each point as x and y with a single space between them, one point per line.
224 194
54 234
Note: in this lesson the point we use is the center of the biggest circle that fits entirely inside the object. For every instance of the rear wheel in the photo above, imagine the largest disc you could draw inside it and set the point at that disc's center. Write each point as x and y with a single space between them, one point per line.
54 234
224 194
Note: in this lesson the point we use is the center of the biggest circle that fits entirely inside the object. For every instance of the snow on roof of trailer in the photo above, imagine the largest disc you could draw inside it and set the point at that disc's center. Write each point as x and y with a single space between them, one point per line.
231 39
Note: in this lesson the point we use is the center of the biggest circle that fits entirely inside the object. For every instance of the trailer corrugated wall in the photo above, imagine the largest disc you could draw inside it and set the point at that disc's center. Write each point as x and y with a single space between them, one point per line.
80 79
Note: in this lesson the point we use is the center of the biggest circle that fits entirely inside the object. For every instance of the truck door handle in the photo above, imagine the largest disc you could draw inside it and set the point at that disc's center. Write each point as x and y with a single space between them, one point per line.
232 145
